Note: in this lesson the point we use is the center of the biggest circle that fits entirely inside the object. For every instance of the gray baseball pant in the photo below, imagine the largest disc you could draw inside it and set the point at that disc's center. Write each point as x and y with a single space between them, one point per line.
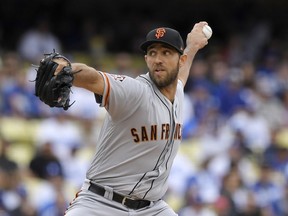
88 203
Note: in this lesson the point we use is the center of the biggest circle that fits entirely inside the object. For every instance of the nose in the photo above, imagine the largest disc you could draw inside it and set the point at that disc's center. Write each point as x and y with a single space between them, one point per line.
158 58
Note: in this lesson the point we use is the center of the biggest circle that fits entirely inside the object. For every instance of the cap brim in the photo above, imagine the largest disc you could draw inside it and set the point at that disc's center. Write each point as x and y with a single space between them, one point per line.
146 44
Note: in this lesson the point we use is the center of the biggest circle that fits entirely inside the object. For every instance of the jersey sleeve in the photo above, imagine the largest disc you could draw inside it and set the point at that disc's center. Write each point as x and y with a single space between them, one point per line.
122 94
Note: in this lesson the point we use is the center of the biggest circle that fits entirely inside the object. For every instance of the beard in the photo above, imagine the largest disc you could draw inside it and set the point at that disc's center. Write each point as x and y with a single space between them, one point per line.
168 80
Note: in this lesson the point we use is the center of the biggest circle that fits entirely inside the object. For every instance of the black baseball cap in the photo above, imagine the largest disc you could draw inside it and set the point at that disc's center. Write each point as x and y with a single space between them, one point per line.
164 35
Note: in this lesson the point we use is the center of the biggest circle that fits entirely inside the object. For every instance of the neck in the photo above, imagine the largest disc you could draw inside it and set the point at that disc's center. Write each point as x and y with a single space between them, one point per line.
169 91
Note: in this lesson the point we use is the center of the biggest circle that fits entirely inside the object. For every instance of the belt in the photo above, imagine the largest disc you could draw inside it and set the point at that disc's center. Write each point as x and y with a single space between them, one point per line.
126 201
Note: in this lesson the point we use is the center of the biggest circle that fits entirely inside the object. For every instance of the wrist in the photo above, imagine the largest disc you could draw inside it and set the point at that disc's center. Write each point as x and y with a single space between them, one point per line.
190 51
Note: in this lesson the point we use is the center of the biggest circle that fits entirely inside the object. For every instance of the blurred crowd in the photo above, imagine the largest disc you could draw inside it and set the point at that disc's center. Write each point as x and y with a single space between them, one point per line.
234 157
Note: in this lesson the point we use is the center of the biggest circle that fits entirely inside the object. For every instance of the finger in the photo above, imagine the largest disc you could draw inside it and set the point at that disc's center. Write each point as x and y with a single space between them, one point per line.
202 23
61 64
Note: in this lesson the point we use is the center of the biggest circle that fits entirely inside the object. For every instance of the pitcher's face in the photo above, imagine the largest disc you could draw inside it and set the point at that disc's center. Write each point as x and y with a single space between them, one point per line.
163 64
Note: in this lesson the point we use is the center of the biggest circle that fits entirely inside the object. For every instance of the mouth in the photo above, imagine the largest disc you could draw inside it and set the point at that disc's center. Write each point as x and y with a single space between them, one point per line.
159 70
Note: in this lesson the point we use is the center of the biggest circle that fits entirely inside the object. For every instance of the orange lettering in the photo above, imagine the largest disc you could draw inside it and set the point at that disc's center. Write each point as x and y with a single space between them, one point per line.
177 134
144 134
135 135
153 132
162 131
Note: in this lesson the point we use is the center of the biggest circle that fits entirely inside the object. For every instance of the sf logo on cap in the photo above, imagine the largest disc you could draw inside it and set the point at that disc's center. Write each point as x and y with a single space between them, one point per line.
160 32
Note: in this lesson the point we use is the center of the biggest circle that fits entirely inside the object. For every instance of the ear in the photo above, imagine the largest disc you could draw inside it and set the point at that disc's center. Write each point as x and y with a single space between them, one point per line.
145 57
182 60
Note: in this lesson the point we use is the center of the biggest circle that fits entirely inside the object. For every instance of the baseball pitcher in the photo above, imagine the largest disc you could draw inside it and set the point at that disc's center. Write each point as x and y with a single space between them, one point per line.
142 129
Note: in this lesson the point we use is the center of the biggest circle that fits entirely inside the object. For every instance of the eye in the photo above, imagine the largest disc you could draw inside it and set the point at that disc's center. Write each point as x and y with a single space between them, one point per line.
151 53
167 52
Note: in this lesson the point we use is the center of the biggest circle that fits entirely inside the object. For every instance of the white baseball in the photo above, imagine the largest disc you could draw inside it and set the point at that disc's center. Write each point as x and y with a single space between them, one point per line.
207 31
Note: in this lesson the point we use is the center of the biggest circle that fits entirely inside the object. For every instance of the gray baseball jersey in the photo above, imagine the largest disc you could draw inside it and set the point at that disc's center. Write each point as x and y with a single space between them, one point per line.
139 139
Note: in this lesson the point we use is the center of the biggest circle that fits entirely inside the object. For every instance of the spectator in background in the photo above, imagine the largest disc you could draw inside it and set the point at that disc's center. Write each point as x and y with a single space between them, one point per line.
276 155
240 200
18 99
35 42
202 100
74 168
50 194
62 133
213 135
38 40
266 102
229 89
253 127
197 95
82 109
14 198
230 184
203 105
44 162
198 74
124 65
194 205
204 184
268 193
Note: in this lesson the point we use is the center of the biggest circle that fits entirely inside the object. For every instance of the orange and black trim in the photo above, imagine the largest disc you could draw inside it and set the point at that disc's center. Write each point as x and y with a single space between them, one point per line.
76 195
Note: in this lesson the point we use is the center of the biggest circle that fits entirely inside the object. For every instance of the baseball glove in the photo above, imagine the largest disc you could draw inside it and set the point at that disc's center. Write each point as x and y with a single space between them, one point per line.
53 84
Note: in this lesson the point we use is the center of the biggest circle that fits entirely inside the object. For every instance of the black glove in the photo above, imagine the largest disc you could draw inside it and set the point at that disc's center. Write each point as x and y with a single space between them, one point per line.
54 90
